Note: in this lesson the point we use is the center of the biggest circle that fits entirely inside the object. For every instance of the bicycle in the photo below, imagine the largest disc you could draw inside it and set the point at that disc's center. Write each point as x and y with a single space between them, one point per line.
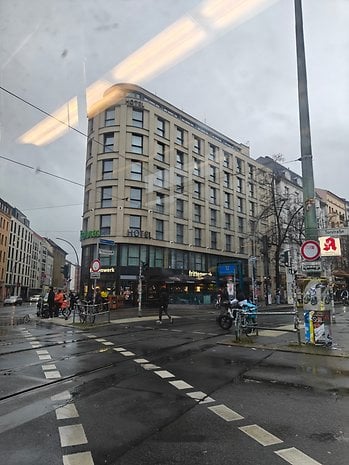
245 321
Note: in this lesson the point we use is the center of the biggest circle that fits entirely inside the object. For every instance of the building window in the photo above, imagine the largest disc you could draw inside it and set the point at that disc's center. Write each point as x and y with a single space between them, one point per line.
135 197
214 236
90 126
89 149
137 143
227 221
137 118
160 151
226 180
179 208
213 195
109 117
88 174
240 205
159 230
133 258
107 169
136 170
239 185
227 200
241 245
197 190
239 166
179 233
197 237
252 209
226 160
212 152
197 167
135 222
241 225
106 197
161 127
197 213
251 171
160 203
213 217
180 160
213 173
228 242
179 136
105 225
197 145
108 142
251 189
159 177
179 183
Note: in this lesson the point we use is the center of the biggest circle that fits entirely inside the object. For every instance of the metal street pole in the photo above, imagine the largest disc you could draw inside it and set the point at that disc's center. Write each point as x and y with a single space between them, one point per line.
77 261
310 223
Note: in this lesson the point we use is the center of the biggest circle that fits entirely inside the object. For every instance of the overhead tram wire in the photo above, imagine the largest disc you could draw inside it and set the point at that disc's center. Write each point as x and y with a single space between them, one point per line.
38 170
48 114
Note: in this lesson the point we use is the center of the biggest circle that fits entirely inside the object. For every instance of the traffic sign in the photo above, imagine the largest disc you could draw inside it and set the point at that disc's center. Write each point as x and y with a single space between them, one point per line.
310 250
95 274
95 265
312 267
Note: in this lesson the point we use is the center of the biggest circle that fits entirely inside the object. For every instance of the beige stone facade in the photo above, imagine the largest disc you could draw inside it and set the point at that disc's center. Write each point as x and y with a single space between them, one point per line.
166 188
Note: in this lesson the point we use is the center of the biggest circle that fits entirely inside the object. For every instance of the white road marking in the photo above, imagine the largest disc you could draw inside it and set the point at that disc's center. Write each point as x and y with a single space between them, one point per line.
176 331
150 366
45 357
100 339
141 360
91 336
42 352
180 384
164 374
67 411
52 374
296 457
226 413
127 353
31 338
260 435
81 458
107 343
133 320
198 332
200 396
64 395
119 349
72 435
52 366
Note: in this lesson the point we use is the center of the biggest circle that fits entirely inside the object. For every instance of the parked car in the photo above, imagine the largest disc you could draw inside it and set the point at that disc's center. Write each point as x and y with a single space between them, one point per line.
13 300
34 298
42 300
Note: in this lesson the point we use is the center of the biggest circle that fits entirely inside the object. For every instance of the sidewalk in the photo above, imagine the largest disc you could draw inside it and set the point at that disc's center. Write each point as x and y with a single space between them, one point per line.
266 339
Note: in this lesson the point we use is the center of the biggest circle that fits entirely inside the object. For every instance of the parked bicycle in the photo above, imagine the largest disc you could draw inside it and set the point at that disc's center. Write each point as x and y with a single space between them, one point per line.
244 316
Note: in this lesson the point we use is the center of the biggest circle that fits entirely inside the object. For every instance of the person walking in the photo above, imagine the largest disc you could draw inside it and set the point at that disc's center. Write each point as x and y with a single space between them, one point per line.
59 298
163 304
51 302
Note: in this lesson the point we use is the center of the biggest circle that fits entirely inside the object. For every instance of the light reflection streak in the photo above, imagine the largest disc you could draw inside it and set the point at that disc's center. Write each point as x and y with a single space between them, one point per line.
170 46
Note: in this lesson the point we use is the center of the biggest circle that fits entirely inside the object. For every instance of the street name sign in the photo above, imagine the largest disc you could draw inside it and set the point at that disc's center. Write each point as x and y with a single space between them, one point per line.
334 232
312 267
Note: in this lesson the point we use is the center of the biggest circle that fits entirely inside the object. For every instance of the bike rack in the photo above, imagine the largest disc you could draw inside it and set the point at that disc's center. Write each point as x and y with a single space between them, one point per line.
88 311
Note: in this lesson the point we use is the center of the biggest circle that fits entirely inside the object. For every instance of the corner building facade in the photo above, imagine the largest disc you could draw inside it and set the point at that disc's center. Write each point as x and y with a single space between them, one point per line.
166 190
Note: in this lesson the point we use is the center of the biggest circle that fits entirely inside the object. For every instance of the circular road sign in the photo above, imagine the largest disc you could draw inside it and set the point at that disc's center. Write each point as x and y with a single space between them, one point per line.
310 250
95 265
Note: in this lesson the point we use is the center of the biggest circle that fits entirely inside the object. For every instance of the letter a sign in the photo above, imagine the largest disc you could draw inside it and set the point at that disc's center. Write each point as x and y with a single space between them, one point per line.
330 246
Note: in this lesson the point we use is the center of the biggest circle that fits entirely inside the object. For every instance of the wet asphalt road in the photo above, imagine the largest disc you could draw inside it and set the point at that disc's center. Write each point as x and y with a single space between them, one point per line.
137 392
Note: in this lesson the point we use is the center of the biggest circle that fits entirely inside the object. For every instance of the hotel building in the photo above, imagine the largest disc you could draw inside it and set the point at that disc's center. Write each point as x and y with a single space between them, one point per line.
166 191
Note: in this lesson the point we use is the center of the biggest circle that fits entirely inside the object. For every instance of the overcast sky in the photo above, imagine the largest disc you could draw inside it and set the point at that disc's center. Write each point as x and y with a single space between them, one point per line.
241 80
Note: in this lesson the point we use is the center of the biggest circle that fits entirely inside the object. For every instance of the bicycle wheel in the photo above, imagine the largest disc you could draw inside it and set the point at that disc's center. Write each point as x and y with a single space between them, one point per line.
224 321
82 314
238 326
66 312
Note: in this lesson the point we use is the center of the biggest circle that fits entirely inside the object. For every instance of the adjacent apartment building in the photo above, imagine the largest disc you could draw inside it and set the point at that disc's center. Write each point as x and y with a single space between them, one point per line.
166 191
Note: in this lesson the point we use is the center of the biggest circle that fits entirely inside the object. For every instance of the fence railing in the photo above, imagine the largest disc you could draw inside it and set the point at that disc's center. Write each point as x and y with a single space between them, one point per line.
90 313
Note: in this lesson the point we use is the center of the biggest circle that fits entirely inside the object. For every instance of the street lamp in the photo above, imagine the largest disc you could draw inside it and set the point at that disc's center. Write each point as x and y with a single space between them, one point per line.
77 260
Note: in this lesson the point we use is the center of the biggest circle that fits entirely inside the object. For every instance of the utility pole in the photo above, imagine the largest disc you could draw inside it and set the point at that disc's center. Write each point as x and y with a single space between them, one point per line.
310 223
140 290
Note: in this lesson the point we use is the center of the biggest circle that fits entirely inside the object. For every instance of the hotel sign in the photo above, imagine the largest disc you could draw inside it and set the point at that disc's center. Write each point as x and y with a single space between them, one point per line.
139 233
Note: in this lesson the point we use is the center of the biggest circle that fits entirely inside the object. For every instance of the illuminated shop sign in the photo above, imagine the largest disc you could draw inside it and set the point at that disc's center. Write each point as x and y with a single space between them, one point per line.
139 233
107 270
198 274
89 234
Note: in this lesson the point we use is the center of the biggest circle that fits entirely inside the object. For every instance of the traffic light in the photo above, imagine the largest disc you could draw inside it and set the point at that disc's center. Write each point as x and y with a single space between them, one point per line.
65 271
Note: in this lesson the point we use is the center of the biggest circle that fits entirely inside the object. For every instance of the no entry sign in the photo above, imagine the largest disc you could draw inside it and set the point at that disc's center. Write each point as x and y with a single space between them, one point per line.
310 250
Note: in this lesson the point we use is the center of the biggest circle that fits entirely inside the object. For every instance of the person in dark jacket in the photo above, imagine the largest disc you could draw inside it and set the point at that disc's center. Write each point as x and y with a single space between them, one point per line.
163 304
51 302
